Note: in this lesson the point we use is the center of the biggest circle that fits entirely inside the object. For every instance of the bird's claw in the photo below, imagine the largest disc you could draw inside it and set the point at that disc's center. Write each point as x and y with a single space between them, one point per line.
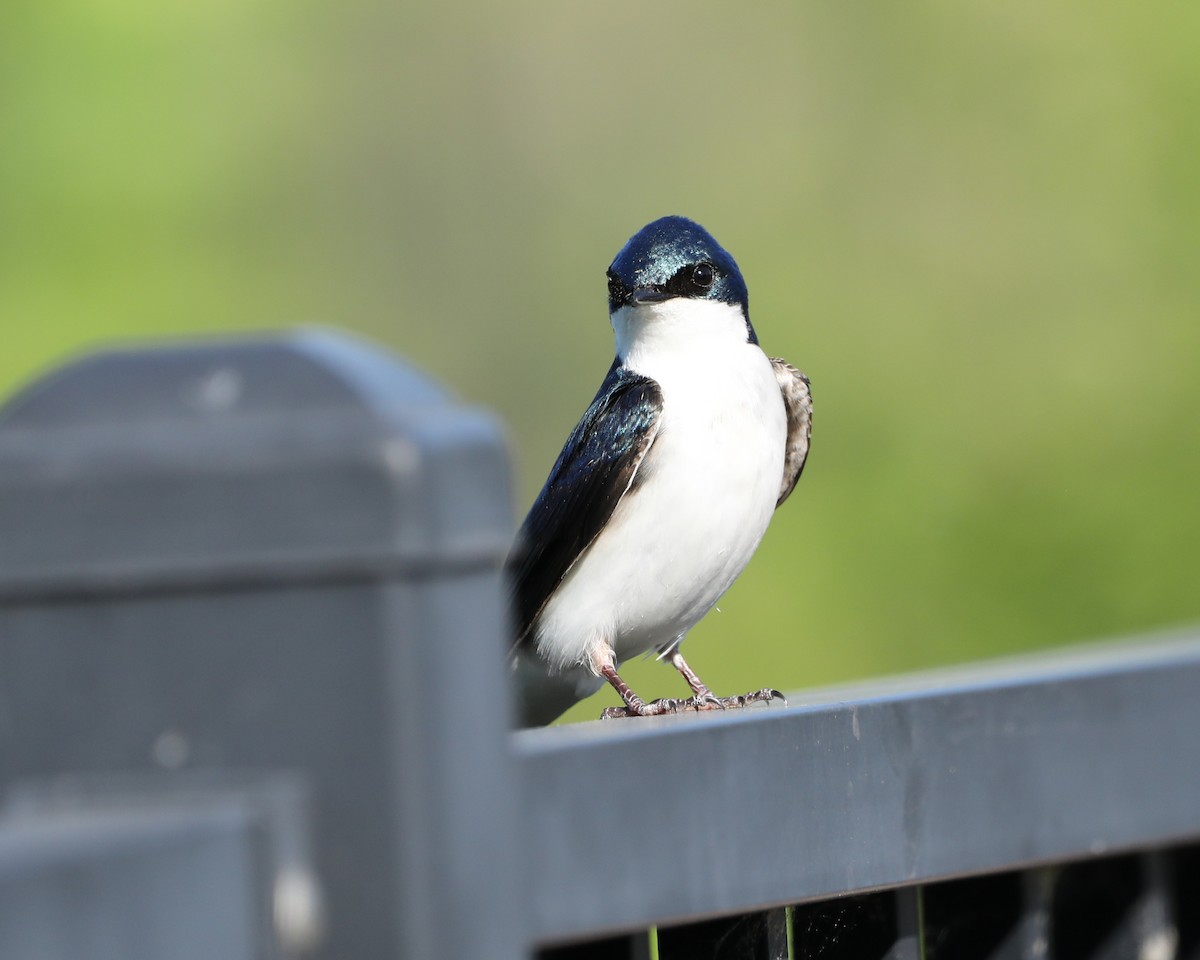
707 701
765 695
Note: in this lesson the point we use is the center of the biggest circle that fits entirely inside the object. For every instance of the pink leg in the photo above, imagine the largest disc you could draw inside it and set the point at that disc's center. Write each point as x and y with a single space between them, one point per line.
702 699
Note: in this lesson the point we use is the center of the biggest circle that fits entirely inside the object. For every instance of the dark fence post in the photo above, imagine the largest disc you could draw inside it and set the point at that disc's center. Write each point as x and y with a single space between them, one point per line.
230 566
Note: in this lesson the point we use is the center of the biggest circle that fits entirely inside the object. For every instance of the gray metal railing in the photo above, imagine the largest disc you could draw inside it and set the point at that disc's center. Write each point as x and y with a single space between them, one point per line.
253 705
1000 770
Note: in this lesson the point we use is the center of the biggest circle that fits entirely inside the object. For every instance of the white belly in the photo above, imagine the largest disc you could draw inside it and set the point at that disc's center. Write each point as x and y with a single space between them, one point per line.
705 494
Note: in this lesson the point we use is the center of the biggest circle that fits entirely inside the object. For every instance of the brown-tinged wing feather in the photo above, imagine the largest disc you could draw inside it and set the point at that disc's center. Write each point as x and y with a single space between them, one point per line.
797 401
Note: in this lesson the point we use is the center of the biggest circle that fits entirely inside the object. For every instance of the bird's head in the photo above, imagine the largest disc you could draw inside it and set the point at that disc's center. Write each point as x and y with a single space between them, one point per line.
675 258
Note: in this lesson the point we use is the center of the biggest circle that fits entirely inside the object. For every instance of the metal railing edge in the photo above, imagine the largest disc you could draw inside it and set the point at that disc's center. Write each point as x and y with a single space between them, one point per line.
951 772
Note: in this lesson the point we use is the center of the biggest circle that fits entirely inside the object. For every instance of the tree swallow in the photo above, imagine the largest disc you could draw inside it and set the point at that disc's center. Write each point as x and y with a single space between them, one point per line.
664 489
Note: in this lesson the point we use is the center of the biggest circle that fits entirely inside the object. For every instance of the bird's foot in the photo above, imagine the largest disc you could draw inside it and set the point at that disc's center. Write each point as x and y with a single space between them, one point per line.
765 695
655 708
700 702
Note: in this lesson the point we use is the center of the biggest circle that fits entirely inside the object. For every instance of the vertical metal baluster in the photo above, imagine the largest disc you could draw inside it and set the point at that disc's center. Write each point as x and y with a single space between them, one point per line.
908 945
1030 939
1152 919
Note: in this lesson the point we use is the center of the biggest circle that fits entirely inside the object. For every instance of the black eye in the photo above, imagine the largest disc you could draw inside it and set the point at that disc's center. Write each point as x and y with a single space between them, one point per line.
703 274
615 290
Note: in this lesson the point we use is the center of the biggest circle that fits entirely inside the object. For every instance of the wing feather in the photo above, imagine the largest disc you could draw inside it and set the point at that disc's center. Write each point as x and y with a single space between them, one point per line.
596 468
797 400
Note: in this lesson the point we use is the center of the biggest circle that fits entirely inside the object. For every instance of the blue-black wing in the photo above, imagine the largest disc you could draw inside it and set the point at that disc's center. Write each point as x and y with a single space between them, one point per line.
596 468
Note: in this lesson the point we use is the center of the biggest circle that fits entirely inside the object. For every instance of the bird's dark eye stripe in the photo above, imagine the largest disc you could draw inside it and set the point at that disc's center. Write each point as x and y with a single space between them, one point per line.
693 280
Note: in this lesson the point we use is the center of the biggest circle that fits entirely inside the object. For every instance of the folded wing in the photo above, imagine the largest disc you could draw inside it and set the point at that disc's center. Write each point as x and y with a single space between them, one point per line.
797 400
597 467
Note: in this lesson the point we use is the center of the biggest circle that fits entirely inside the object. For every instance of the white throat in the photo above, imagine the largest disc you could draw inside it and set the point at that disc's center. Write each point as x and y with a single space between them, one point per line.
675 329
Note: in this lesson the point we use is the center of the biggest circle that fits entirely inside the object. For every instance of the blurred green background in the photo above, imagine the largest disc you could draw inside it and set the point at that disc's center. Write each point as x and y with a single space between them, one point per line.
976 226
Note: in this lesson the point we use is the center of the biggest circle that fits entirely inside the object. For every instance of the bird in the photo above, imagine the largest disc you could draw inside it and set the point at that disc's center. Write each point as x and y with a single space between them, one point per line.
663 490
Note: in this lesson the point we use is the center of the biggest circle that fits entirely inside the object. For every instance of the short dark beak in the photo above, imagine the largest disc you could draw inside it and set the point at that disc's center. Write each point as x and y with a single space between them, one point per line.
648 295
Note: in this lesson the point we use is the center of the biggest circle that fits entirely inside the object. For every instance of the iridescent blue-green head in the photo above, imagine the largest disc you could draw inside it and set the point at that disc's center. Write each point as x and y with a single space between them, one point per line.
676 257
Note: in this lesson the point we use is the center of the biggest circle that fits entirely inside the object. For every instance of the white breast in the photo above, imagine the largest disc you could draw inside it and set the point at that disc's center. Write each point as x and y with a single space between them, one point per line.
705 493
